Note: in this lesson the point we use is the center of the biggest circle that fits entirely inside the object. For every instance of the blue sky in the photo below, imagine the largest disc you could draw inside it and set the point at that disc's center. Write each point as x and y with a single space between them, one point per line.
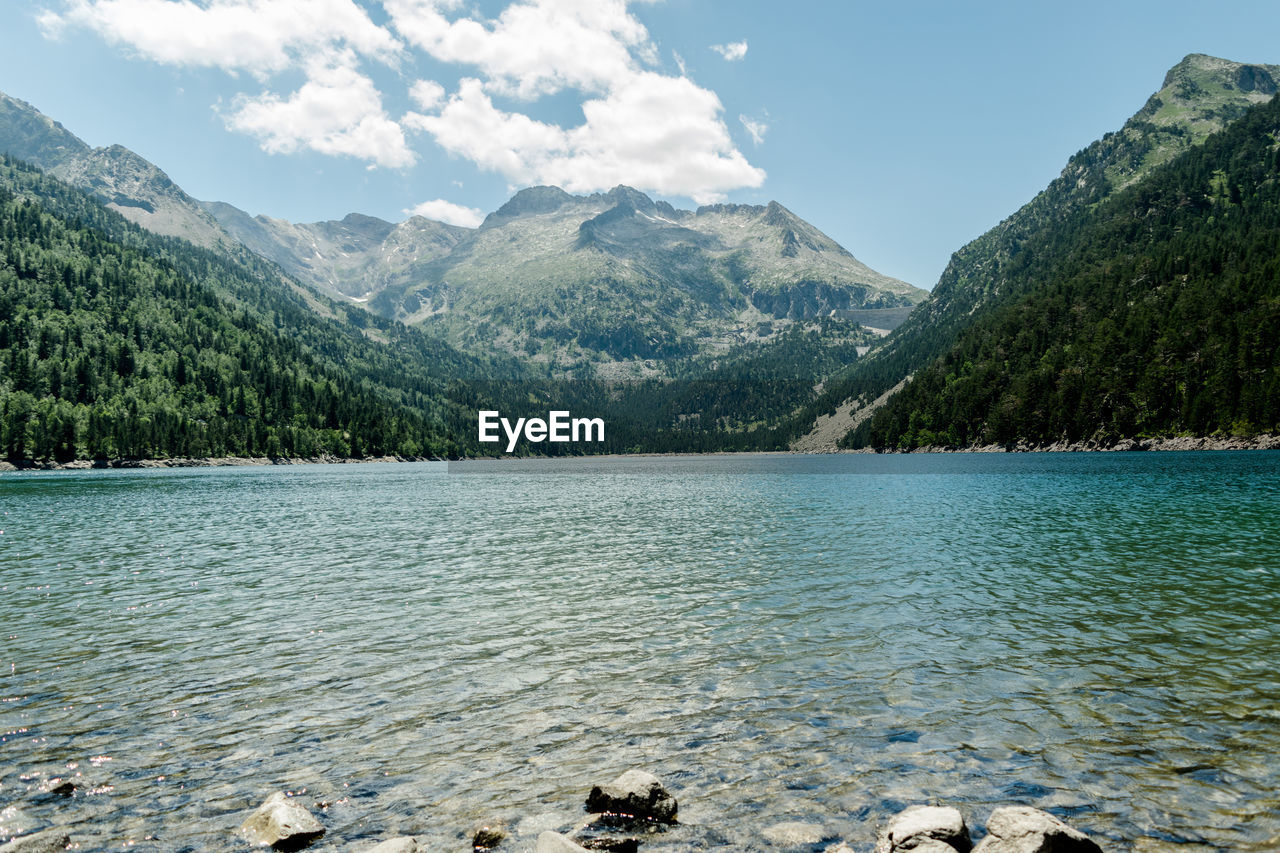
903 130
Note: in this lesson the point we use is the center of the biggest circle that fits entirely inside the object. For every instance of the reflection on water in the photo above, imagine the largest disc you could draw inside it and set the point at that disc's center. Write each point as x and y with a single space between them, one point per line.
824 639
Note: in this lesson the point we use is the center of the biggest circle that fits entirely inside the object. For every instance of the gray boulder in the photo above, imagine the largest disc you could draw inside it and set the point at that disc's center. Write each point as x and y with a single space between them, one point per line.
635 794
554 842
916 825
1022 829
48 841
281 823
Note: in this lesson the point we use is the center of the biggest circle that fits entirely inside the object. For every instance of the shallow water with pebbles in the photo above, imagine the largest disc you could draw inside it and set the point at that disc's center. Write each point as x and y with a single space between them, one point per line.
416 648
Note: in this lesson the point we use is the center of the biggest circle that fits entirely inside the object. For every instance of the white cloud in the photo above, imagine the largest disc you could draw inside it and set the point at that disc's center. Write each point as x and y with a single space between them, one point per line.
535 47
755 127
655 132
337 111
427 94
733 51
639 126
260 36
448 212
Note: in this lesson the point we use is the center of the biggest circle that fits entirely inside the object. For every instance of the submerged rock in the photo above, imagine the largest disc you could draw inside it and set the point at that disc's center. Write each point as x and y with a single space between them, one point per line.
554 842
282 824
403 844
48 841
487 837
62 787
635 794
1022 829
916 825
611 845
794 834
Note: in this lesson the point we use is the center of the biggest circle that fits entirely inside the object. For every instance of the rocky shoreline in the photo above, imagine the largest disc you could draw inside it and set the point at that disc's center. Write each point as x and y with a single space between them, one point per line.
201 462
1268 441
635 810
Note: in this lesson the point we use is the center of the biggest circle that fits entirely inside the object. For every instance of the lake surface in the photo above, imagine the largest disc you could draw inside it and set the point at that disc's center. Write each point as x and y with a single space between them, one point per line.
422 647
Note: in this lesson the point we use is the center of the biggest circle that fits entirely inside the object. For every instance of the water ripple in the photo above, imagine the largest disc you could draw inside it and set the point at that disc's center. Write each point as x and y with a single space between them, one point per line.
780 639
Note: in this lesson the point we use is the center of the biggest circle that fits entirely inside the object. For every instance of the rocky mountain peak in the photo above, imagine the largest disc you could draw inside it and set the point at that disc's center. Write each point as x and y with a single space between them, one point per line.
624 196
28 134
1197 68
530 202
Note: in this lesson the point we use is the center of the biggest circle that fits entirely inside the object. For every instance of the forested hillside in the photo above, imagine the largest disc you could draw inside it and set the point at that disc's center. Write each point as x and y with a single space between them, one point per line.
118 343
115 342
1199 96
1155 312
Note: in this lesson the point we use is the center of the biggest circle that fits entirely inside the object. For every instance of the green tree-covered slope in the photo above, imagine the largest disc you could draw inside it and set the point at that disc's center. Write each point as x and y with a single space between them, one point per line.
116 342
1154 312
1199 96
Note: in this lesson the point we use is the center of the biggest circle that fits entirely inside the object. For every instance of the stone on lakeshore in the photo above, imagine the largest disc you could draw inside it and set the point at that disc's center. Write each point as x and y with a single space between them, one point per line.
916 824
611 845
635 794
585 834
403 844
554 842
281 823
48 841
1022 829
487 837
793 834
929 845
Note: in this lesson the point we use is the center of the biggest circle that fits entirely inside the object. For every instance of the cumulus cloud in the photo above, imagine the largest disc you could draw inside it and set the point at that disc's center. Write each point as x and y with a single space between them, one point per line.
448 212
337 111
533 48
427 94
259 36
656 132
733 51
756 128
639 125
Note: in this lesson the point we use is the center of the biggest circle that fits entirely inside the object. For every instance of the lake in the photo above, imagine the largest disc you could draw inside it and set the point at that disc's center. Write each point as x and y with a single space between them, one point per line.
421 647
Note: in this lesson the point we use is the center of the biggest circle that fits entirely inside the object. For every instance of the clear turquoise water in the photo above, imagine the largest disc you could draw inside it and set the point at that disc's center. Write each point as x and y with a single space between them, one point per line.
824 639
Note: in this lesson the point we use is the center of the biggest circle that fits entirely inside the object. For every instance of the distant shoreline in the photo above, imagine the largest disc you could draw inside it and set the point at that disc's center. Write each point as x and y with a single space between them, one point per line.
1128 445
201 462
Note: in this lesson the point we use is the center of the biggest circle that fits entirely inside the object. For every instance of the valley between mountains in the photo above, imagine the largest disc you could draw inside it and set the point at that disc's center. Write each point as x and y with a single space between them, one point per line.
1136 298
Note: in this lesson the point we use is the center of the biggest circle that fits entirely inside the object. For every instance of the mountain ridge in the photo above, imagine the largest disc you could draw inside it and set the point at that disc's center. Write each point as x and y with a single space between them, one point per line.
125 181
1199 95
1154 315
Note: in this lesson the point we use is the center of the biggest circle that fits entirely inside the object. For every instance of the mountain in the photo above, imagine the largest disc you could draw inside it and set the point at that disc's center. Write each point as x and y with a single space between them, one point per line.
122 180
624 282
729 317
608 278
117 342
354 257
1152 311
615 282
1155 314
1199 96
